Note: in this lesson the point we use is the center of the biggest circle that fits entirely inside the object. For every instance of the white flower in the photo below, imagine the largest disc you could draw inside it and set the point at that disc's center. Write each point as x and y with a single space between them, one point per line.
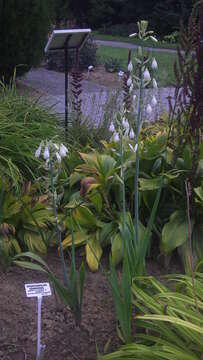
149 109
38 152
58 157
63 150
90 67
132 134
147 76
112 127
46 153
132 35
130 66
129 82
154 64
116 137
131 88
121 73
125 124
134 149
154 101
134 97
155 86
153 38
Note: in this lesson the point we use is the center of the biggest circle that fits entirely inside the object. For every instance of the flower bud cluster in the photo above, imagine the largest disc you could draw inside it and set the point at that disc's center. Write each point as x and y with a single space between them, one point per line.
51 152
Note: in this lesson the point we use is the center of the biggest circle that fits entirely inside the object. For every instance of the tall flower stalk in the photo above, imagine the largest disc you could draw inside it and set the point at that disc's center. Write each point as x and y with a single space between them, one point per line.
72 292
141 82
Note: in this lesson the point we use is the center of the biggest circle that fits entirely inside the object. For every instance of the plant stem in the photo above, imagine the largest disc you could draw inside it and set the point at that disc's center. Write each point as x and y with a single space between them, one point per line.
139 121
57 228
123 181
188 194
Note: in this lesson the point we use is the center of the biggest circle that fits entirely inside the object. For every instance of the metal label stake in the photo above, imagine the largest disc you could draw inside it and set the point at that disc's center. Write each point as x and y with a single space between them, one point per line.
38 290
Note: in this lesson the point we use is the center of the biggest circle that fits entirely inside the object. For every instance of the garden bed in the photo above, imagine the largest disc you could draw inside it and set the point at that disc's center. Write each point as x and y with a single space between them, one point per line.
62 339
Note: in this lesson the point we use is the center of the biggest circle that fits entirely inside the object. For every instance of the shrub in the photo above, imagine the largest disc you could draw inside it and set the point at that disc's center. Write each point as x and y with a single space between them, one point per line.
24 26
113 65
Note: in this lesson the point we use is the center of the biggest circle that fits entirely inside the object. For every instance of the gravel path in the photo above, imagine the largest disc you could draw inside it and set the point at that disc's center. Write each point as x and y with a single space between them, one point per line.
125 45
96 99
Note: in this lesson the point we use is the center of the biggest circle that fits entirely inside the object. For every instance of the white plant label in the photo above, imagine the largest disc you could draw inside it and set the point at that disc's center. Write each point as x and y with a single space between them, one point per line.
38 289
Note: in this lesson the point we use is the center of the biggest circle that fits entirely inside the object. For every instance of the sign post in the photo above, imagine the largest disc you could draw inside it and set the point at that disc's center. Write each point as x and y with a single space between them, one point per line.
38 290
72 39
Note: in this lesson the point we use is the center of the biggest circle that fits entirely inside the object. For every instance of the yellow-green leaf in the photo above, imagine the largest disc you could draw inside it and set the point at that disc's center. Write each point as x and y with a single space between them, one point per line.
93 252
80 238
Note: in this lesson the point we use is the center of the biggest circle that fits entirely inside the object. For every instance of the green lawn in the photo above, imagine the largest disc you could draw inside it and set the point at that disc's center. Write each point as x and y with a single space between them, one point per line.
148 43
164 74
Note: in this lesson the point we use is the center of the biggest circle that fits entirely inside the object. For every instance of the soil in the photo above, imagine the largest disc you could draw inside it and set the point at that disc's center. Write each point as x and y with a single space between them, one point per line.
63 340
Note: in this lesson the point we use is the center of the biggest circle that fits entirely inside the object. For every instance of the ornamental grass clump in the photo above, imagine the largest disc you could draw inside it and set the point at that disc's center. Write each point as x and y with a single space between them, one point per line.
23 125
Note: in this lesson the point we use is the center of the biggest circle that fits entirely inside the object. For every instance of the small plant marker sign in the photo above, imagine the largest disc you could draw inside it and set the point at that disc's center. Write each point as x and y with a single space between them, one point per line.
38 290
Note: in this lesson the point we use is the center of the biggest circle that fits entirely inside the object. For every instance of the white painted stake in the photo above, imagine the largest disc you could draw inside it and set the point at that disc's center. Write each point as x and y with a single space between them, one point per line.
39 312
38 290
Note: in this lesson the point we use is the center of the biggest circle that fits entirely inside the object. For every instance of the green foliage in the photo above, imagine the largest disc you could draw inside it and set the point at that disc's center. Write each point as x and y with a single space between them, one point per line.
170 318
24 26
113 65
121 291
24 221
23 124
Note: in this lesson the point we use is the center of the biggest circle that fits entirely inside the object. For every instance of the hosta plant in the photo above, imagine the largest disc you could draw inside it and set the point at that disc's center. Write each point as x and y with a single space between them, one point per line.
25 219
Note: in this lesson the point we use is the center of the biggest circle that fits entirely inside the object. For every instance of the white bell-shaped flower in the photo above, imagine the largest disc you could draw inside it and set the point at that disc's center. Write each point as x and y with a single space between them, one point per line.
147 76
63 150
130 66
38 152
131 134
46 153
155 86
129 82
131 88
58 157
149 109
125 124
154 64
116 137
154 101
112 127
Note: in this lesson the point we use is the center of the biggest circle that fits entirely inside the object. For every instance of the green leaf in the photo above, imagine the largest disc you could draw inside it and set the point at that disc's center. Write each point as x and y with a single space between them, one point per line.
150 184
80 238
175 232
93 252
116 249
173 320
84 217
74 178
96 199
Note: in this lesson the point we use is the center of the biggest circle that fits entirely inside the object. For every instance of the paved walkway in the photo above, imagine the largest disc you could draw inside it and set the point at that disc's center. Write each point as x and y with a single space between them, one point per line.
126 45
96 99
